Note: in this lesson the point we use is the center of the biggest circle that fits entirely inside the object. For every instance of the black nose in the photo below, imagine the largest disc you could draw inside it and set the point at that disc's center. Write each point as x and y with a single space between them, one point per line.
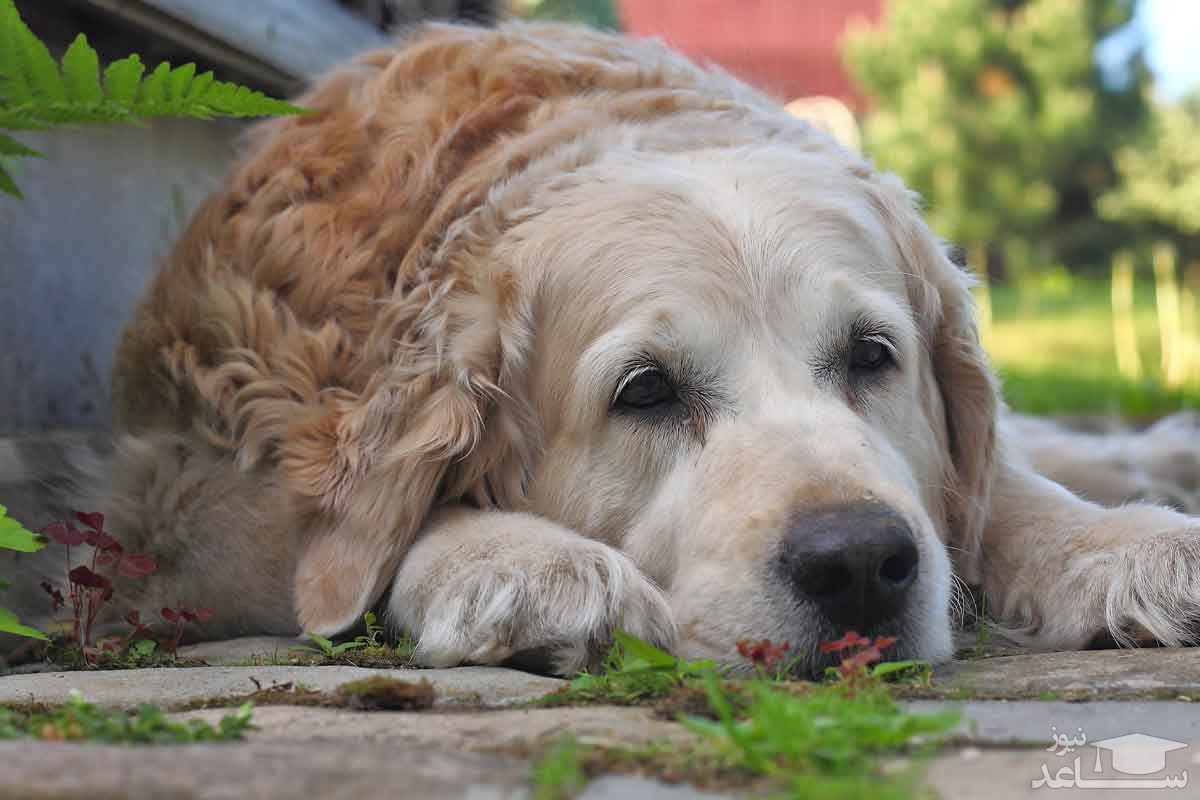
856 564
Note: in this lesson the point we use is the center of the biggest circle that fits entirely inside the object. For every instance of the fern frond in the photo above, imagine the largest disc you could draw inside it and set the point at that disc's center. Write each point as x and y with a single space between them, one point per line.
7 184
27 70
34 94
81 72
11 147
122 78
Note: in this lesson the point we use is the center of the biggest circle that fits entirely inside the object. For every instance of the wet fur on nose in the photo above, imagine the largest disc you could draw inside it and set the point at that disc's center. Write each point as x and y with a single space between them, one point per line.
857 564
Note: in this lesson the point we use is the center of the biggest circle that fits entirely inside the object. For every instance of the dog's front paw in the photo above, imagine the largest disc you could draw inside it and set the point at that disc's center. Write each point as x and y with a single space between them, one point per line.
560 598
1143 592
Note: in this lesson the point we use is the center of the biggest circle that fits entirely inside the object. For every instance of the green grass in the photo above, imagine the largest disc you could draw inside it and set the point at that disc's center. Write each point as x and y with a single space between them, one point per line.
365 650
559 775
633 672
1053 348
846 738
78 720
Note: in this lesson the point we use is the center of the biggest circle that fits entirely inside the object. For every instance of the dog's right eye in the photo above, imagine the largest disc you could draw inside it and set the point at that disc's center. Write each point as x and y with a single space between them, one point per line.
646 387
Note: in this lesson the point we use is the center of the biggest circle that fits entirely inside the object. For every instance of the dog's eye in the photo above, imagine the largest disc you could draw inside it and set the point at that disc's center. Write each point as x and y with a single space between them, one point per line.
645 388
869 354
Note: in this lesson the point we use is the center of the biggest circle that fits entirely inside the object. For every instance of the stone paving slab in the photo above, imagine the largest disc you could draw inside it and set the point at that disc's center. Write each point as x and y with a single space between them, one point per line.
237 652
1159 671
981 774
253 771
266 770
504 730
1028 722
176 687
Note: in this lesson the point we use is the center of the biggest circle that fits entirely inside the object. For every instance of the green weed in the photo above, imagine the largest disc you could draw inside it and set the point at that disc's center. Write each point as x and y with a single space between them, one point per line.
365 650
78 720
845 738
559 774
634 671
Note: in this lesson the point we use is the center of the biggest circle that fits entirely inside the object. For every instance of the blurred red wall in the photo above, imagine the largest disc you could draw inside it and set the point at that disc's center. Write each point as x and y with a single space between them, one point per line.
787 47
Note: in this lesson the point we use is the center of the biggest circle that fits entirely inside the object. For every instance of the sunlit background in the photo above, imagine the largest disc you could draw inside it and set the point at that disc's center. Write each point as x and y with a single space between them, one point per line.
1056 142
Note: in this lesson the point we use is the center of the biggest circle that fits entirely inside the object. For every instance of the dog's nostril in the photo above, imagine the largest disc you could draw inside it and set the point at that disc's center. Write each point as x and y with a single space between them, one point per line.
901 568
828 579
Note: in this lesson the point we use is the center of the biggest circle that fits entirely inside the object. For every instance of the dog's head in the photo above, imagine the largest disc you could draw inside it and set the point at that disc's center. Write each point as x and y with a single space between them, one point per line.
754 371
641 301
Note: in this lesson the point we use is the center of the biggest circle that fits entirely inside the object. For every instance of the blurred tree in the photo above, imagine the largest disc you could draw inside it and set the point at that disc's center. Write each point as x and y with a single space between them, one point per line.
1159 178
997 113
597 13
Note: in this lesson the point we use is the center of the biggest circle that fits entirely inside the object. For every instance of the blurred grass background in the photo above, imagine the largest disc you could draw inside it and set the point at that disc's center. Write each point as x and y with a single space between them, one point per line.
1052 342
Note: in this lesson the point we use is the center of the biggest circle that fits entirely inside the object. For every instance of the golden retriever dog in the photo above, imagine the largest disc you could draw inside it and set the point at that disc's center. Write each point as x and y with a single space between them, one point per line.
525 335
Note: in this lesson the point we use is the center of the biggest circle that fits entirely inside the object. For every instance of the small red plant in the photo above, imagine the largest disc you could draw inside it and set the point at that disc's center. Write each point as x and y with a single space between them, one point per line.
763 654
91 586
861 652
179 617
140 630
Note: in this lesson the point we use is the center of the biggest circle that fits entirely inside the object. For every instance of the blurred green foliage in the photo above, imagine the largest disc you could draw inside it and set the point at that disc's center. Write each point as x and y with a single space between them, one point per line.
597 13
1159 178
997 113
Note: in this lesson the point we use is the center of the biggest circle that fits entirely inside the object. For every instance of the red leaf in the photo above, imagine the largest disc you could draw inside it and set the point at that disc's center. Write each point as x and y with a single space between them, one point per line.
187 614
884 642
134 618
102 541
83 576
93 521
137 565
64 533
866 656
845 643
205 614
105 559
763 653
170 615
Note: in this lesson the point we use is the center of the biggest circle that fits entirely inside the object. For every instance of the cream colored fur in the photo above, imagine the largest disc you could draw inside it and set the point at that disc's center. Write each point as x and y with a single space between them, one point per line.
384 358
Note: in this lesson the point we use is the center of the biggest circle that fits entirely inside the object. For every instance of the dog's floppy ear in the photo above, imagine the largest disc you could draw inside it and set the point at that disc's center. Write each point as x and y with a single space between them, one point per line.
433 426
940 296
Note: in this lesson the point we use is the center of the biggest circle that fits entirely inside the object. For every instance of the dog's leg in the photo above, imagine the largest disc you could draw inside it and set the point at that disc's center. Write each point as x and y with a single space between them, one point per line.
1070 572
484 587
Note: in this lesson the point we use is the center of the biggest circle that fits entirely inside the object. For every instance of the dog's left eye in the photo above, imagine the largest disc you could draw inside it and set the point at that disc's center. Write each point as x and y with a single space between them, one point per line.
869 354
645 388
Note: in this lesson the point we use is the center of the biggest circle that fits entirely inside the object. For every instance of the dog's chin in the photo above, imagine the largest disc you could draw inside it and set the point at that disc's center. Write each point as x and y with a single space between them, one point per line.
921 634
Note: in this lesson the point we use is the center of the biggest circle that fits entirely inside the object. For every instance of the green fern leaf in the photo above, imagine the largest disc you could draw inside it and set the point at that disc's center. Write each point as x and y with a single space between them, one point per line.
10 23
81 72
153 92
122 79
28 69
35 95
7 184
178 82
11 147
199 87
